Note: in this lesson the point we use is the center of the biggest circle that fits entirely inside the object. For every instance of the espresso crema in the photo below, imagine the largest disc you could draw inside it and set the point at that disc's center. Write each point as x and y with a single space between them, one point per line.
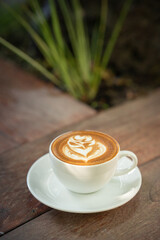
85 147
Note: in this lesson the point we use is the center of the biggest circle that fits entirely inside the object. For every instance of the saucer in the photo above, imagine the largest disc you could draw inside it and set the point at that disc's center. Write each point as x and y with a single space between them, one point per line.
45 187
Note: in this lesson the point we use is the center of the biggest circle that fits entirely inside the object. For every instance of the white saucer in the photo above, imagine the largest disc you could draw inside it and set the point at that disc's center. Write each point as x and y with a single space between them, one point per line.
45 187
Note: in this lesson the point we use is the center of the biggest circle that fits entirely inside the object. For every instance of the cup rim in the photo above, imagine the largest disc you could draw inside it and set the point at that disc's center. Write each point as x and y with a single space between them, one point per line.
85 166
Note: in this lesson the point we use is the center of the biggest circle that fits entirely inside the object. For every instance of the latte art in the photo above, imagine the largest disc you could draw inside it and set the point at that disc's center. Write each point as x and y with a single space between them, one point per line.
83 148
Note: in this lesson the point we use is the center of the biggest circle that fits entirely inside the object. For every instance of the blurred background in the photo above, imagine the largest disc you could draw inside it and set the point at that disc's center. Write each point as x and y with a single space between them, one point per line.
103 53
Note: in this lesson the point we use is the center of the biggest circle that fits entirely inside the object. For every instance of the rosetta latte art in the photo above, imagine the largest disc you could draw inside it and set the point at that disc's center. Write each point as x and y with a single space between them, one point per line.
83 148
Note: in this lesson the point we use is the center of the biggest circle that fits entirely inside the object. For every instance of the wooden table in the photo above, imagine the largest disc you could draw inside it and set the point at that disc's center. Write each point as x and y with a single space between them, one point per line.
32 114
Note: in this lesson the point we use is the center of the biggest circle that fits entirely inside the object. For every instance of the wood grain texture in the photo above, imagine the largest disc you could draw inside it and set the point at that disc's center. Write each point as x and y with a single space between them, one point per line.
134 124
138 219
31 108
6 142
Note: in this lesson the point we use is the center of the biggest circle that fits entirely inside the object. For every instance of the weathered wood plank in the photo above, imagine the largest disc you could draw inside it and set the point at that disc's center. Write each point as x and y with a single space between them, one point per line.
138 219
31 108
6 142
135 125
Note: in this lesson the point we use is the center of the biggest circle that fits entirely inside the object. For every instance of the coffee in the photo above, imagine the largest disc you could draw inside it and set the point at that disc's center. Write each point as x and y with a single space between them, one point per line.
85 147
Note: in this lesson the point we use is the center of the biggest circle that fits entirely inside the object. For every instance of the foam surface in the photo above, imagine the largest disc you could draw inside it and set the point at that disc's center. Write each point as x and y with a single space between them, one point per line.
85 147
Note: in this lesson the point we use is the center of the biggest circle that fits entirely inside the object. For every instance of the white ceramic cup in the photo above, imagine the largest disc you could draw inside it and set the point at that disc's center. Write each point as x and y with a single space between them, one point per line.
91 178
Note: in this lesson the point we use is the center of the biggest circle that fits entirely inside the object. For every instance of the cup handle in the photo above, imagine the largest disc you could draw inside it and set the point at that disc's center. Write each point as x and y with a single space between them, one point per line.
134 159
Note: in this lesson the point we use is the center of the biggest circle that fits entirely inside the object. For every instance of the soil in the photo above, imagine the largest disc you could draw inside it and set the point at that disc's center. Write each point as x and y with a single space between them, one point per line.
120 90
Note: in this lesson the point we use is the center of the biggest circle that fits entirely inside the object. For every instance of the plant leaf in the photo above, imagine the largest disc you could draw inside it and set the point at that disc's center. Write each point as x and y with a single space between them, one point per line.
30 60
115 33
82 50
56 26
39 41
101 31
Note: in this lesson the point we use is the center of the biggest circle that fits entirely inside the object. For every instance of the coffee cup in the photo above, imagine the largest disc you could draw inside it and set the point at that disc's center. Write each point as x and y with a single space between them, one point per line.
84 161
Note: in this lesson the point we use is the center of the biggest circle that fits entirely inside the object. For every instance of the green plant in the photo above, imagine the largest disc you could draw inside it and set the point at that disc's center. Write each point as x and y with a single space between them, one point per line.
78 65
